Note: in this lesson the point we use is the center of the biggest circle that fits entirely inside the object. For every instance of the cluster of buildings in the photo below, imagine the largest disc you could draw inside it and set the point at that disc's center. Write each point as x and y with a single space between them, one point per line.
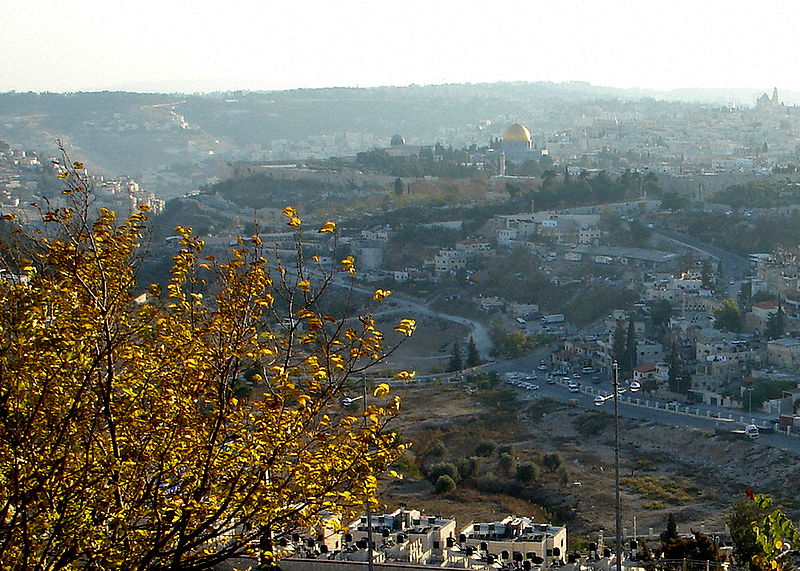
25 178
557 236
683 140
410 537
722 366
19 175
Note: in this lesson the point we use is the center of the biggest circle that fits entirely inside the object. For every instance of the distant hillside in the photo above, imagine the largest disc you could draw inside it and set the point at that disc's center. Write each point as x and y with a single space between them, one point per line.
134 133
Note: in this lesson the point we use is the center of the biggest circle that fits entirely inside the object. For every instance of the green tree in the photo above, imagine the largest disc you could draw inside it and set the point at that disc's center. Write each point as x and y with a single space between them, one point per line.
507 449
473 356
441 469
506 462
468 468
618 343
775 325
548 179
740 519
456 363
552 461
729 317
671 533
527 472
661 312
707 275
775 534
672 201
631 353
445 485
485 448
122 444
697 548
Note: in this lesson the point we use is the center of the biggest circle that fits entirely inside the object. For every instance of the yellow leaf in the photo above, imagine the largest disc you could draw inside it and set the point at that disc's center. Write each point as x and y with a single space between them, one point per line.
63 174
78 166
381 294
393 474
778 544
294 222
328 227
348 265
304 285
405 375
7 217
406 327
290 212
381 390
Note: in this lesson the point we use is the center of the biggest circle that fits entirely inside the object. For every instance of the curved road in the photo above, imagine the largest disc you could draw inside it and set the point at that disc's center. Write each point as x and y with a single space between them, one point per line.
402 304
731 265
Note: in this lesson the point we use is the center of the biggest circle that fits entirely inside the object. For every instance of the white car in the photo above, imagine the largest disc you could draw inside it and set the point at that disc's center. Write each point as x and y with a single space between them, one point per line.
573 387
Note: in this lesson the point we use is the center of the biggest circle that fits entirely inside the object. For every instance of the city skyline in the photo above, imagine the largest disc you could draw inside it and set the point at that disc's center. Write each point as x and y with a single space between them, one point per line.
149 46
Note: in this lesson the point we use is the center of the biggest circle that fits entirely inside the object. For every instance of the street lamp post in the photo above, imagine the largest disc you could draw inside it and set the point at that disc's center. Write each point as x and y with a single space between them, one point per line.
369 508
599 400
617 507
347 401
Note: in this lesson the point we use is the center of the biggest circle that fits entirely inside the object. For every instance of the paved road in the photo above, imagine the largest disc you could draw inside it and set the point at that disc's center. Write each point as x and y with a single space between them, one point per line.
401 304
731 265
662 415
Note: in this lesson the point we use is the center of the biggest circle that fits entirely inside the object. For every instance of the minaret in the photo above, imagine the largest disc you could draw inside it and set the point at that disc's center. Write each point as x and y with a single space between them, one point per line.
774 99
502 163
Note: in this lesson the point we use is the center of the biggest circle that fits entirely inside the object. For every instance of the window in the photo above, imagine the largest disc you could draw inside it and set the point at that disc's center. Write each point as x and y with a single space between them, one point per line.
436 545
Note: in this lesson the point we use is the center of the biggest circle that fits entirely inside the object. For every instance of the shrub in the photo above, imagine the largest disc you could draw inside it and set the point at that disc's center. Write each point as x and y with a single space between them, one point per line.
592 424
445 484
552 461
443 469
407 466
485 448
468 468
506 463
527 472
506 449
437 449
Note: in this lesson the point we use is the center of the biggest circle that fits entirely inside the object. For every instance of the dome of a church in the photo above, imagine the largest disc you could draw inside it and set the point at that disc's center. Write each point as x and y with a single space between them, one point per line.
517 134
397 140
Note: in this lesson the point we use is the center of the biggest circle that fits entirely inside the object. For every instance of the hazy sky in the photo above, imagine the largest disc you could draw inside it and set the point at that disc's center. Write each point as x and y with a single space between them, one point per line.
49 45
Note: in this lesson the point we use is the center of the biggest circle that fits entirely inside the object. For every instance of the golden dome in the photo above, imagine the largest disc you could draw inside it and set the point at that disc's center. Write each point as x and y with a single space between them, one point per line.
517 133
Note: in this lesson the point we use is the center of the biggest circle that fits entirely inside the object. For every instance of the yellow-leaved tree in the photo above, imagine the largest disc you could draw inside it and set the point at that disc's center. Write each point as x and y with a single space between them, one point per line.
122 443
